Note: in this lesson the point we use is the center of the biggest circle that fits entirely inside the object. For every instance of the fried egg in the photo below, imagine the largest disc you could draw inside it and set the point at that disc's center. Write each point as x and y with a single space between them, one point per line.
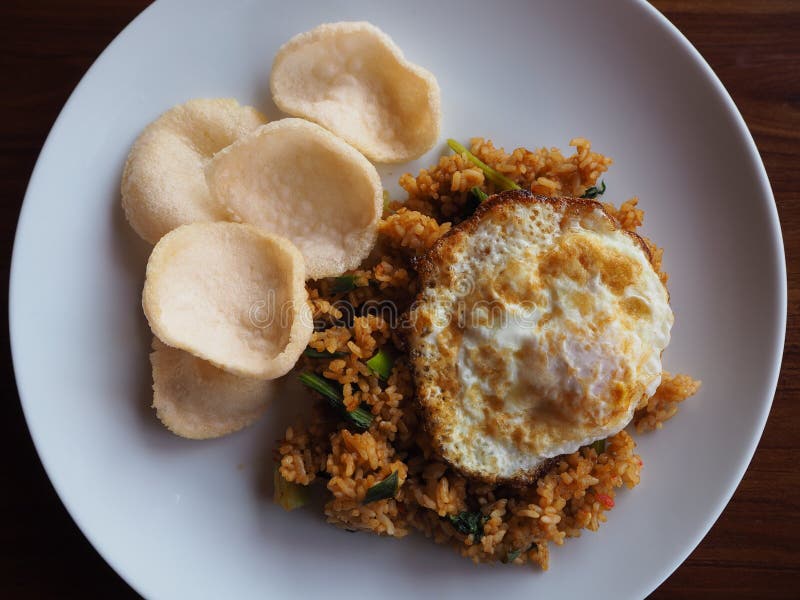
539 329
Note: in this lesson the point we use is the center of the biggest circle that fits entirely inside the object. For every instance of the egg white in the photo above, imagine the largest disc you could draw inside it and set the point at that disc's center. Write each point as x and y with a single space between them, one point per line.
529 359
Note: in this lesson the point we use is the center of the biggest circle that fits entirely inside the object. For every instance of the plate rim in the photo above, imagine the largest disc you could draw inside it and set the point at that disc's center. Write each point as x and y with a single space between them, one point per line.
776 238
778 247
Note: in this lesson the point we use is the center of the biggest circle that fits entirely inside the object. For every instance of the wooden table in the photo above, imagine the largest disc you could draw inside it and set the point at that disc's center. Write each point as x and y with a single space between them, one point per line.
754 46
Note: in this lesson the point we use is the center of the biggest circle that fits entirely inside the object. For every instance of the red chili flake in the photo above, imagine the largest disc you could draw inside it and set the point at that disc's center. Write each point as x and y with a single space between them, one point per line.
605 500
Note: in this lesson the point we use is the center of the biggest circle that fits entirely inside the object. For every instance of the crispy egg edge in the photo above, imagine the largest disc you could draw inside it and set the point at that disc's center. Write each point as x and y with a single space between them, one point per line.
434 410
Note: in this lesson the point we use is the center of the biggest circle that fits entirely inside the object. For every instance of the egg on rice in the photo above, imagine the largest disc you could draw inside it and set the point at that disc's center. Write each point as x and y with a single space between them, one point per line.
539 329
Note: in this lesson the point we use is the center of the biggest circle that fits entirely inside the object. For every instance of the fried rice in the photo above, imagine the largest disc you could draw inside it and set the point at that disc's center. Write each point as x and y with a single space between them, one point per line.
486 523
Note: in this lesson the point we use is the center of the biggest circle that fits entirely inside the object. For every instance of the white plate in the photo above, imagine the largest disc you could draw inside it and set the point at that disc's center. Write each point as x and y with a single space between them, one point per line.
179 518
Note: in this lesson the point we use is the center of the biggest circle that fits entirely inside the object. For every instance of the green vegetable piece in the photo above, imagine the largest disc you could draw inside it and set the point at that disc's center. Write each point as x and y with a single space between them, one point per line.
474 199
386 200
383 489
287 494
500 180
361 417
479 194
311 353
512 556
345 283
595 191
469 523
381 364
599 446
319 385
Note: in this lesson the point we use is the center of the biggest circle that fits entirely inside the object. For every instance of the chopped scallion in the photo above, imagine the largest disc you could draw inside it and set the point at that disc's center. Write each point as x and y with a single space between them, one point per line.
500 180
383 489
360 417
512 556
287 494
469 523
319 385
595 191
474 199
599 446
479 194
381 364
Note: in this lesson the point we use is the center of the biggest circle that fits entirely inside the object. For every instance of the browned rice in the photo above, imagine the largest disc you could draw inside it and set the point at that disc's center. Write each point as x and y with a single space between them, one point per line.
519 522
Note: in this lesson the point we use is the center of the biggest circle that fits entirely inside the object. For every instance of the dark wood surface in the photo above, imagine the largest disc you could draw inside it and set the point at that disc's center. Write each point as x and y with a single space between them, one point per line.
753 551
